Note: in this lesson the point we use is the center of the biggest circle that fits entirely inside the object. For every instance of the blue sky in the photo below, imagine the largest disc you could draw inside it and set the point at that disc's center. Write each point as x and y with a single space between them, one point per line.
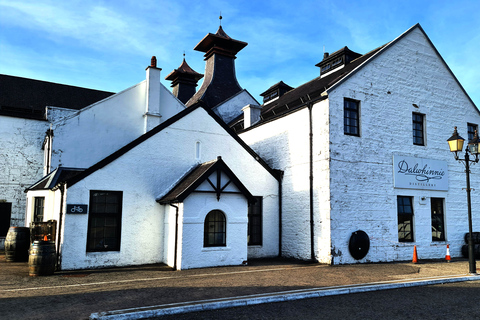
107 45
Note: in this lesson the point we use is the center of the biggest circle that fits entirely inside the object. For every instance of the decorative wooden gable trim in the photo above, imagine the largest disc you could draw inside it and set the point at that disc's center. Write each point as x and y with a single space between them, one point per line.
209 177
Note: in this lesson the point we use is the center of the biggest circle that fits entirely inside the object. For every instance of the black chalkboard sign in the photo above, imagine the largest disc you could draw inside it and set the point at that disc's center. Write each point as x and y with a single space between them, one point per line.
77 208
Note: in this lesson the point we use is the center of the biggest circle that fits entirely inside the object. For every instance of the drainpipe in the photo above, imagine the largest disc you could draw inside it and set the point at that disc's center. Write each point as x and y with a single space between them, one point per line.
176 237
62 197
49 148
312 240
280 179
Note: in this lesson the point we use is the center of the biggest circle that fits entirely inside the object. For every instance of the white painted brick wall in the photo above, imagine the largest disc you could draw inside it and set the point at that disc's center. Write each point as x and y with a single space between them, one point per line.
353 177
21 161
284 145
362 192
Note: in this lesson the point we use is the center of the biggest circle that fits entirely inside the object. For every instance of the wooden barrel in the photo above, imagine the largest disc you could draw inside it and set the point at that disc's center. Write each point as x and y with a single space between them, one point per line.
475 237
476 251
17 243
42 259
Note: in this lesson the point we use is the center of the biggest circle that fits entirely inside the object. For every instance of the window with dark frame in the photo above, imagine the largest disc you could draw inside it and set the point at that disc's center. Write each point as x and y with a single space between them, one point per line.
38 209
351 117
215 229
418 129
438 220
255 222
405 219
471 130
104 221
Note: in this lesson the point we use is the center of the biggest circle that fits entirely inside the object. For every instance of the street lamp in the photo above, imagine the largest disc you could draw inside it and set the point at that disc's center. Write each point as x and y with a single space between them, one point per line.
455 142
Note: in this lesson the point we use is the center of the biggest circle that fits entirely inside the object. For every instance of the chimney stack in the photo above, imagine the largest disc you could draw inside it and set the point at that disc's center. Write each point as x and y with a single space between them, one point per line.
251 115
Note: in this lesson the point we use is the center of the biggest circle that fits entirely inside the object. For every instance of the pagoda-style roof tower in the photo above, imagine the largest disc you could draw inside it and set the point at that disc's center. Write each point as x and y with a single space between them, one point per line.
184 81
220 81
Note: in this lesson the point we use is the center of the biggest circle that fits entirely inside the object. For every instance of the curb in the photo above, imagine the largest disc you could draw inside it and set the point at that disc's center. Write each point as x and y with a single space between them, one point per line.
242 301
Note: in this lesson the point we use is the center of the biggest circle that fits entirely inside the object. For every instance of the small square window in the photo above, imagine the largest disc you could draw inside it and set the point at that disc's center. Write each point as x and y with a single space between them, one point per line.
418 129
351 117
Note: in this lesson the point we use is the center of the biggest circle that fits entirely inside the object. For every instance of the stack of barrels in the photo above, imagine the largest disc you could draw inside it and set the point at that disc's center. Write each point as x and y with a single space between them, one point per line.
40 254
476 245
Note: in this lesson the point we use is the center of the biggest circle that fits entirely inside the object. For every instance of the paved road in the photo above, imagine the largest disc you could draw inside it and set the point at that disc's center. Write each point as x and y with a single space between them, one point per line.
449 301
77 294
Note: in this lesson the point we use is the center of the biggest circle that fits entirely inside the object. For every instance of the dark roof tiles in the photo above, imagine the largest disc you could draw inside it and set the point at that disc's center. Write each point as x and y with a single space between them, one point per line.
27 98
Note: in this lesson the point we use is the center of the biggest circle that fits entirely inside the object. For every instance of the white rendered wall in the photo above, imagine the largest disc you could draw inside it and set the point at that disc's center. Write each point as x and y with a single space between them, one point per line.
99 129
21 161
150 170
321 181
195 209
362 191
91 134
284 145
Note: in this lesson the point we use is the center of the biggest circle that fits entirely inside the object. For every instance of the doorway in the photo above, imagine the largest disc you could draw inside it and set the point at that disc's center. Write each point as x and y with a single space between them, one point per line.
5 214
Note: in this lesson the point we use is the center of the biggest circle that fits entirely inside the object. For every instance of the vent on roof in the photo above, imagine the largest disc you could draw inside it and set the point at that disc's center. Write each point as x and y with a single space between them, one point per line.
275 91
336 60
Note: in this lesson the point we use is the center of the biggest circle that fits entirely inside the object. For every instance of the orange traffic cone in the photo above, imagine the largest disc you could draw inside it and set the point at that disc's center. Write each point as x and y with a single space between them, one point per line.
415 257
447 257
45 238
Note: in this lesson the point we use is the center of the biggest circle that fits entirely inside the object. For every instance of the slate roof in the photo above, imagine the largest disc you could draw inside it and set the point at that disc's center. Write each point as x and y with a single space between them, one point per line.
311 91
27 98
278 85
192 180
220 82
297 98
54 178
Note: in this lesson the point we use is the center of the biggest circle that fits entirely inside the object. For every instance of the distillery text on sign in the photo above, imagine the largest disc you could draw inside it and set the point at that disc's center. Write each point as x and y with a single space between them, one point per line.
418 173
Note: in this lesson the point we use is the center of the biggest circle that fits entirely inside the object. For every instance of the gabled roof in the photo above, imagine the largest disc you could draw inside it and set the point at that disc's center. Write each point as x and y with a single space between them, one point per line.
27 98
54 178
279 85
312 91
200 174
117 154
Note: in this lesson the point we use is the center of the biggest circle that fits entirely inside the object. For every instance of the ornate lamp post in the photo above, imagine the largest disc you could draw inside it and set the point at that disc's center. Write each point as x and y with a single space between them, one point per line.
473 148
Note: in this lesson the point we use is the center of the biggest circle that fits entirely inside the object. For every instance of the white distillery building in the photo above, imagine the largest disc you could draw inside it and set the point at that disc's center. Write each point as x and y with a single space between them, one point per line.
352 166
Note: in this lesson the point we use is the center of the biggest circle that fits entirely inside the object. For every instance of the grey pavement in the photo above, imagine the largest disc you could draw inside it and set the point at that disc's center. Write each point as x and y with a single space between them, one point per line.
155 290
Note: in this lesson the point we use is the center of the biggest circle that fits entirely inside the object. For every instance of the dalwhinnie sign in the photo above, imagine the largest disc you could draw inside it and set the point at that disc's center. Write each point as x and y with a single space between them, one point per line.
418 173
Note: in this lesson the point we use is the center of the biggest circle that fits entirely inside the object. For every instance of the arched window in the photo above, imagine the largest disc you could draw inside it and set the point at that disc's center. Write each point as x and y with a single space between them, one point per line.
215 230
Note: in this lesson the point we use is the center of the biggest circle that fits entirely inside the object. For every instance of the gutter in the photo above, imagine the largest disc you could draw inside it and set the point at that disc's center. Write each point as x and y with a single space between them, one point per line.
62 188
312 223
280 212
